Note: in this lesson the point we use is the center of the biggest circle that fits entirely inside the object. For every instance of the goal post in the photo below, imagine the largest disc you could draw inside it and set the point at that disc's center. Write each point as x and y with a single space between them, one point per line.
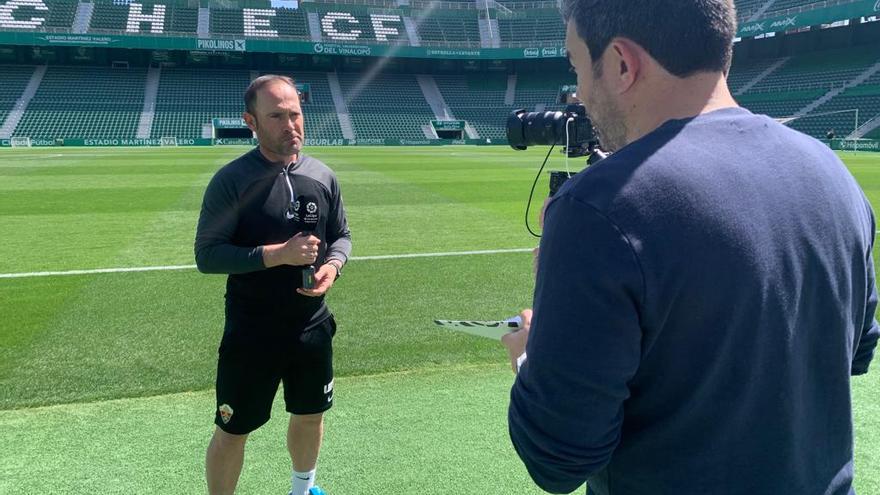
20 142
842 121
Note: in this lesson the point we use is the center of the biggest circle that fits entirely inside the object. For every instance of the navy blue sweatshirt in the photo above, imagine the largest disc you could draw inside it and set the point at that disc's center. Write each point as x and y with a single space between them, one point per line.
702 299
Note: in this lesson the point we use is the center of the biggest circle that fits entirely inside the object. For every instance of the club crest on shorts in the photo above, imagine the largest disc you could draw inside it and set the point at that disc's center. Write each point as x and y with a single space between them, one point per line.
225 413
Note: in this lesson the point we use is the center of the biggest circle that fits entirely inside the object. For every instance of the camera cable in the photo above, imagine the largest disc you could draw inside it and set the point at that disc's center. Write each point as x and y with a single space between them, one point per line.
538 175
532 192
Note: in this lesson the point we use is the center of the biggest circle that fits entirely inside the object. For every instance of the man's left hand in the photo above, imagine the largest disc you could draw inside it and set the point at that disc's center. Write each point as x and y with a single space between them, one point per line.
324 278
515 342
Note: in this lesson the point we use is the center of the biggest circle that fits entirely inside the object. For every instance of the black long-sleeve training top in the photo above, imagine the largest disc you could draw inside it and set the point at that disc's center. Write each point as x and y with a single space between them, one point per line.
252 202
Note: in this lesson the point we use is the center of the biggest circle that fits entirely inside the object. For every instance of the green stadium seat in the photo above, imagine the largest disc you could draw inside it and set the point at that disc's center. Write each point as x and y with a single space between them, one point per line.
188 99
85 102
338 21
530 26
285 22
386 106
59 16
742 74
112 17
13 80
448 28
321 119
804 79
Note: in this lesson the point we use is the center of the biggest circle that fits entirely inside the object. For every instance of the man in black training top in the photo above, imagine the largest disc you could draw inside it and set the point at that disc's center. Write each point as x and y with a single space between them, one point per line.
703 294
267 217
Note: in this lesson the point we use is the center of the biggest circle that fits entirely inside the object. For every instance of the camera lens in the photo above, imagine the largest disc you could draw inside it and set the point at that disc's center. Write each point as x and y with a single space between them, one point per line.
526 129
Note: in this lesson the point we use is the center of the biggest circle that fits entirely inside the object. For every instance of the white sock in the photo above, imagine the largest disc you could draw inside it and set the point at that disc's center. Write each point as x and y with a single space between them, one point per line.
301 482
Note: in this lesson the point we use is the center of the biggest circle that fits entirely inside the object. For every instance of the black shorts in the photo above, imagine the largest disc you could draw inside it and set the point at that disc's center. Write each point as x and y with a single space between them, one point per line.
248 376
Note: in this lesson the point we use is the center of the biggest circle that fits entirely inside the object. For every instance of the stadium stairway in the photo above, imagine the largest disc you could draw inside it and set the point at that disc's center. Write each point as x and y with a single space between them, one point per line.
438 105
760 11
151 89
434 98
183 111
542 26
510 94
859 79
341 108
314 26
83 17
203 25
367 98
412 31
78 102
478 100
867 128
763 75
489 33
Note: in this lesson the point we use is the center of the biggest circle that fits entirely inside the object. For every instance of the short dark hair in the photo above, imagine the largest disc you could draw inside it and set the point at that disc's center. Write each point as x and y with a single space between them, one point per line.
684 36
250 95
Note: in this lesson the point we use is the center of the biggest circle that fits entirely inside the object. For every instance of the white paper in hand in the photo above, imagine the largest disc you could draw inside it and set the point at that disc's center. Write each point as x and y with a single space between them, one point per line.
492 329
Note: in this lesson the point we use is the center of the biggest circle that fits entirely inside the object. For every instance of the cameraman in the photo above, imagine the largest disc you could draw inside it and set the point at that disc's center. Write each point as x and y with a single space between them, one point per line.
705 293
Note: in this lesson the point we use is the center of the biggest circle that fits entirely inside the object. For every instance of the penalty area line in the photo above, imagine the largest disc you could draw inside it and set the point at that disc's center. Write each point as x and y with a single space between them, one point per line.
97 271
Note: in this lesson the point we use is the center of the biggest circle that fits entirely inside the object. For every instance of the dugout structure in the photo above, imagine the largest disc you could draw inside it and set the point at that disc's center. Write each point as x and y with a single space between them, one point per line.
227 128
449 129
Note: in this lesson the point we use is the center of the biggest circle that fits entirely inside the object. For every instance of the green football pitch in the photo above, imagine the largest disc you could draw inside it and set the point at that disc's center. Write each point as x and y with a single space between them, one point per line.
108 335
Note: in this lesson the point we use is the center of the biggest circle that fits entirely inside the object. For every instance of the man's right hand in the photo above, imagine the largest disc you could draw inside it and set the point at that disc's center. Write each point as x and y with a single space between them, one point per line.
515 342
299 250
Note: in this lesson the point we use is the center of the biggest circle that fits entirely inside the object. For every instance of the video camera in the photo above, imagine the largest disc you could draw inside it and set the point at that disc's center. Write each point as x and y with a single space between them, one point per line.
571 128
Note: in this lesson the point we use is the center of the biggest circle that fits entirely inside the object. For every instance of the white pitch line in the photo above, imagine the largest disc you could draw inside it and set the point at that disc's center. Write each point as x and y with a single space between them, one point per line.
193 267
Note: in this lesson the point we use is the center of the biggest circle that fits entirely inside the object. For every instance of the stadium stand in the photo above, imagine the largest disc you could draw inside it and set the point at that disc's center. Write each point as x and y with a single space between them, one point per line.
60 15
321 119
389 105
13 80
541 89
840 112
227 21
785 84
110 17
745 8
346 23
455 22
779 103
782 5
184 20
85 102
283 22
742 74
478 100
544 26
188 99
448 28
806 78
823 70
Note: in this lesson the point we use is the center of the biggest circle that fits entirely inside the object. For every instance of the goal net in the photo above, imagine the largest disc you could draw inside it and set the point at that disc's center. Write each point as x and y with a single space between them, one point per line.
20 142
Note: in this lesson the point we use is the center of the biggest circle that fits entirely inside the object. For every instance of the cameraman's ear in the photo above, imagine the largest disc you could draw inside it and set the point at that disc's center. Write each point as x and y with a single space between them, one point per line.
624 63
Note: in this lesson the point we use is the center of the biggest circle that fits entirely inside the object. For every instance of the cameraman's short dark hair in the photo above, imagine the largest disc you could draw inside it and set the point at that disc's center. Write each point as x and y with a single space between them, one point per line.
684 36
250 95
